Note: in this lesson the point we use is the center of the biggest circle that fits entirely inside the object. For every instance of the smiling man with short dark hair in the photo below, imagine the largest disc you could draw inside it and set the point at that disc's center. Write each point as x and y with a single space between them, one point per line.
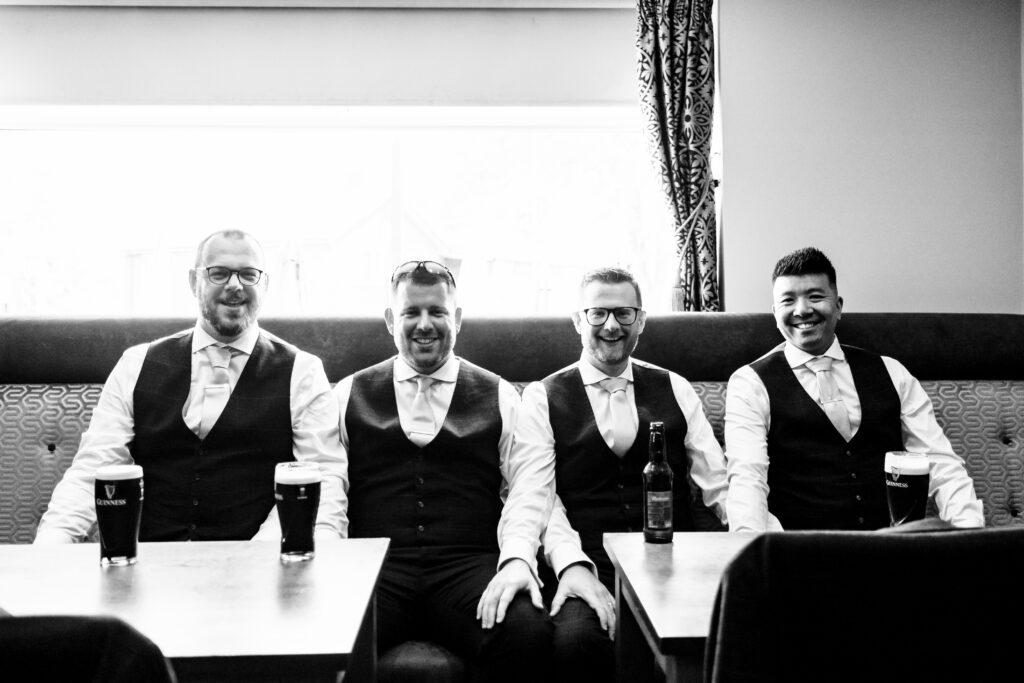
808 424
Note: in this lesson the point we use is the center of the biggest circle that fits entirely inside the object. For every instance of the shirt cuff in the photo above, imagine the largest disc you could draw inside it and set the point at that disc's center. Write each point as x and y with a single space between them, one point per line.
515 548
52 537
566 554
970 517
322 533
590 567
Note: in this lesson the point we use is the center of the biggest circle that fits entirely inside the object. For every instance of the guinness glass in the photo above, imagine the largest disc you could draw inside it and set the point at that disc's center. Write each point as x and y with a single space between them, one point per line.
906 486
297 492
119 494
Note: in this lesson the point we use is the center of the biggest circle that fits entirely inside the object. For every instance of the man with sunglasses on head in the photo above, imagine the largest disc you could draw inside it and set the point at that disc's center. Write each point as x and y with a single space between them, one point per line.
429 440
208 412
600 454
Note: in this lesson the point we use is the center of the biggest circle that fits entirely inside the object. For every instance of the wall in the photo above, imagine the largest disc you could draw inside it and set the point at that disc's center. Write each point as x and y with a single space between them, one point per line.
165 55
887 133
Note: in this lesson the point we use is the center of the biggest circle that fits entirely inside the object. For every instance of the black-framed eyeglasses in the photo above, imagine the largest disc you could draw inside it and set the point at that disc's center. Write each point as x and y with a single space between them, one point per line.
432 267
624 315
219 275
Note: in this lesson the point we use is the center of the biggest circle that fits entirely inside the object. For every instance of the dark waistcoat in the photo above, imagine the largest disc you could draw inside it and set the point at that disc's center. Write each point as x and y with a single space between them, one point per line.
816 479
221 487
601 491
444 494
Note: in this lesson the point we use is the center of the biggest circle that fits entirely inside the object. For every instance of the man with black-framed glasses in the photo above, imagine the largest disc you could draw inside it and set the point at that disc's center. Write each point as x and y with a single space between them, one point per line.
208 412
594 417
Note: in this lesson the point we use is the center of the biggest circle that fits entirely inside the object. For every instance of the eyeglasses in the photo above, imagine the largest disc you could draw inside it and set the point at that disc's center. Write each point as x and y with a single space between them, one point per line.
624 315
432 267
219 275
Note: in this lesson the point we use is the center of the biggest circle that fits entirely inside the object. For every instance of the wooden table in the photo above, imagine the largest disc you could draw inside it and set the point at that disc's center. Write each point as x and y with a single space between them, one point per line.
665 593
218 610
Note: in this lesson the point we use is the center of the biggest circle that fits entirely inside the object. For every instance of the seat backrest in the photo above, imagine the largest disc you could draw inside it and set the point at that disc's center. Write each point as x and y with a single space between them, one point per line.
868 606
80 648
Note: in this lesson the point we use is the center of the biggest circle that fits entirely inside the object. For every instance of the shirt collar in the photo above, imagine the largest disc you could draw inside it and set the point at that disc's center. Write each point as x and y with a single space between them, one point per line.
449 372
797 357
592 375
245 343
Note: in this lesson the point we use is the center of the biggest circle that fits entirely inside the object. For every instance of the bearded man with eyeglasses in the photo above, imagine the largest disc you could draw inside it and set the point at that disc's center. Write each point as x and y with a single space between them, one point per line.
208 412
600 452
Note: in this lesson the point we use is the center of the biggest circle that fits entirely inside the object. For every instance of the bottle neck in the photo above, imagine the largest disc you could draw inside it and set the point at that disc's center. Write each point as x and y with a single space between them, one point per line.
656 450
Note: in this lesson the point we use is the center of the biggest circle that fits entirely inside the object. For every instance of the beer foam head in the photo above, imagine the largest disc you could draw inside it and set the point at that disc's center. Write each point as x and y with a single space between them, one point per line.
119 472
297 473
904 462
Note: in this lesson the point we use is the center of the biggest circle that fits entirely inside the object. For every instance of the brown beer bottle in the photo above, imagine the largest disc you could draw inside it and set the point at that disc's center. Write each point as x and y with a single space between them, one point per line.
657 490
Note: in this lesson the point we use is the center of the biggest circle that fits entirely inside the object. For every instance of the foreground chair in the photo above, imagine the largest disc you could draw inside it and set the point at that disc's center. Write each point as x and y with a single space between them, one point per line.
864 606
79 648
421 661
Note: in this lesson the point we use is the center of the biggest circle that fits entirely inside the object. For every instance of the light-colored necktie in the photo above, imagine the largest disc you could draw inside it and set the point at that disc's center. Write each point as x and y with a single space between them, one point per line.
218 391
422 429
623 428
828 395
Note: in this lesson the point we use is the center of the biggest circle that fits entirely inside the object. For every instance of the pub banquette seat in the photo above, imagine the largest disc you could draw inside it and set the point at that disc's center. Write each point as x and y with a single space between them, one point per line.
972 366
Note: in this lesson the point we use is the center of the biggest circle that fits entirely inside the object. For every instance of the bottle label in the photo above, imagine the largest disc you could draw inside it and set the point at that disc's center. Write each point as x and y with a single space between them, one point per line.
659 510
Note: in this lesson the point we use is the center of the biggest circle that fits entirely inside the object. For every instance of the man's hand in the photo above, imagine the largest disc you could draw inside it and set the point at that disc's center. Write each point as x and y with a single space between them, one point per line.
579 582
512 578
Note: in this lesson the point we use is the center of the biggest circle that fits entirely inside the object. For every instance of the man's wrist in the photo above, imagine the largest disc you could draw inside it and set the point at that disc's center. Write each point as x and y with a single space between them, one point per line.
529 568
504 563
580 563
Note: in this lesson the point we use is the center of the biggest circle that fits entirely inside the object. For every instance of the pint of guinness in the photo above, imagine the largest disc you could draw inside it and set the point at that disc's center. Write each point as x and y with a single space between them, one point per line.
297 492
906 486
119 494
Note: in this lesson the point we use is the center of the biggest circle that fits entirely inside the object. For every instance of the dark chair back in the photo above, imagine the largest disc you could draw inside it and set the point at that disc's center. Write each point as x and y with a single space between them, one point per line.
862 606
80 648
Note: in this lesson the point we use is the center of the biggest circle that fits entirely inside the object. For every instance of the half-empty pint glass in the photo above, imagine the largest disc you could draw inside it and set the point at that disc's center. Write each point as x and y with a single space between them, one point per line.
297 492
119 494
906 486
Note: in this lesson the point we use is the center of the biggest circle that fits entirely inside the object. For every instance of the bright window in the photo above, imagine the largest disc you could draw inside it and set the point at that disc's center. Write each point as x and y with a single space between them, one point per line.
101 207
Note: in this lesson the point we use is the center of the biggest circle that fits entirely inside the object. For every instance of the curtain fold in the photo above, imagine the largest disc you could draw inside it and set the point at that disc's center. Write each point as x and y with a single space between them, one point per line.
676 69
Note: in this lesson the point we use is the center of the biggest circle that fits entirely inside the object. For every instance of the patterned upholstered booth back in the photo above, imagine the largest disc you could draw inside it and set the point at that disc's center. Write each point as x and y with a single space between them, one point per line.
972 366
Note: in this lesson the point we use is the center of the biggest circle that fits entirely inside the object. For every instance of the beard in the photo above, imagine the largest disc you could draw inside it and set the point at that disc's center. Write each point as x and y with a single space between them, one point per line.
228 326
613 355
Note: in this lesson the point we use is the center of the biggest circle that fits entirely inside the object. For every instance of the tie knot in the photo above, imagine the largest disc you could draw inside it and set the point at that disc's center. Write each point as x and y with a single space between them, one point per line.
819 364
613 384
220 356
423 383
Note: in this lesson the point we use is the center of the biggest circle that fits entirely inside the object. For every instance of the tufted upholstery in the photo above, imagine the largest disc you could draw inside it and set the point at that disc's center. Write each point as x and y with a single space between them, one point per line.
51 372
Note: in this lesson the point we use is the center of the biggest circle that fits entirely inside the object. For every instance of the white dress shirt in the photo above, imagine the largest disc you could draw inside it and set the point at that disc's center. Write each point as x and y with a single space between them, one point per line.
528 481
535 438
748 419
71 513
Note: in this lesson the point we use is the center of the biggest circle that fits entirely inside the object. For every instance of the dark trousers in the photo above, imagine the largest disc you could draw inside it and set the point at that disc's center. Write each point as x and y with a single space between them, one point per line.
432 594
582 650
79 648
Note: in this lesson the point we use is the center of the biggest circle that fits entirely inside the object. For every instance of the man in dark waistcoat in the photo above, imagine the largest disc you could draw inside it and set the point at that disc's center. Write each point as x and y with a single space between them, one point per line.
208 413
808 424
429 441
600 454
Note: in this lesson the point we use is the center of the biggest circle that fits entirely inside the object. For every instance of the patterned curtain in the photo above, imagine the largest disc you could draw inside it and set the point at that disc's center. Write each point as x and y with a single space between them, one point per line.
675 44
